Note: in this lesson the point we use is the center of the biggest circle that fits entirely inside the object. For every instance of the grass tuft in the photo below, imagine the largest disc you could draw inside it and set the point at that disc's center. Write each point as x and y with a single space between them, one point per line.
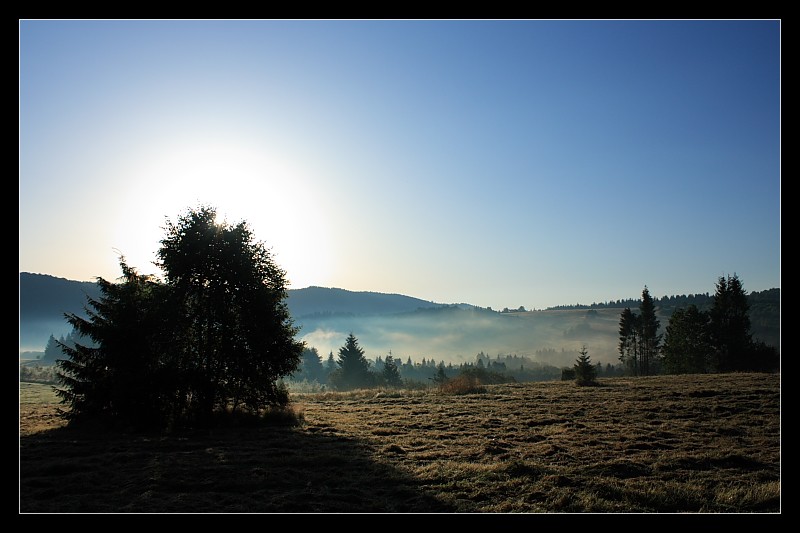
462 384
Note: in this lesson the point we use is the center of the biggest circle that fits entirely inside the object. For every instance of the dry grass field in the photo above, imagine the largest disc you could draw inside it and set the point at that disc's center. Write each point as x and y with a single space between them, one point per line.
667 444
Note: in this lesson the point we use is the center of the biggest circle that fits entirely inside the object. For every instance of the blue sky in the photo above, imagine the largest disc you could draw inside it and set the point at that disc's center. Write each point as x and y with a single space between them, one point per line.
499 163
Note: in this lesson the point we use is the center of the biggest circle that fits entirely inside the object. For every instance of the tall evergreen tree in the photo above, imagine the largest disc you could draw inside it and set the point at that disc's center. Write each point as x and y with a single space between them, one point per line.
330 363
585 371
648 334
639 340
52 350
310 366
687 344
120 377
390 373
353 371
629 341
440 377
730 325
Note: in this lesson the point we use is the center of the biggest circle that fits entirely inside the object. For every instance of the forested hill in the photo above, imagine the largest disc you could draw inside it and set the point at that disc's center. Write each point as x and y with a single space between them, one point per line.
313 301
44 297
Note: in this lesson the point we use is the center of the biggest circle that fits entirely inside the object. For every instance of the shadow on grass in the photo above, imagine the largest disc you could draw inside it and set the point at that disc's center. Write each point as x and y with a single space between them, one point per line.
233 470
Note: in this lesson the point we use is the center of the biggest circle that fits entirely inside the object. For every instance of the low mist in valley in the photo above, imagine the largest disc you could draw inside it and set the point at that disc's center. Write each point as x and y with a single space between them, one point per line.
457 335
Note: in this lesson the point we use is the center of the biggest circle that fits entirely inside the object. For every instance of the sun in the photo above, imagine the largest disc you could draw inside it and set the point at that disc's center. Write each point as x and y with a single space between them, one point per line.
275 197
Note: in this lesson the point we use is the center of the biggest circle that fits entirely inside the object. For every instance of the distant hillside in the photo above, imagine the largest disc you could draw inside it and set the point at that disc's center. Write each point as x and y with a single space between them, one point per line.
48 297
44 299
410 327
313 301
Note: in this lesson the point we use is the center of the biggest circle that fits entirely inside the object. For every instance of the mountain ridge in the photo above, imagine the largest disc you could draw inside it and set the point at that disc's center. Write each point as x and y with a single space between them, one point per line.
44 294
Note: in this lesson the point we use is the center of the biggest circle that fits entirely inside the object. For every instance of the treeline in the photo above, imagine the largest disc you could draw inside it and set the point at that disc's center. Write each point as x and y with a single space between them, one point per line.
764 310
761 302
665 302
715 338
350 369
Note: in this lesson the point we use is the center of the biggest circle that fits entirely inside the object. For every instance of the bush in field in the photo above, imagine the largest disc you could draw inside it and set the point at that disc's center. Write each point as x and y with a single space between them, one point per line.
462 384
38 374
567 374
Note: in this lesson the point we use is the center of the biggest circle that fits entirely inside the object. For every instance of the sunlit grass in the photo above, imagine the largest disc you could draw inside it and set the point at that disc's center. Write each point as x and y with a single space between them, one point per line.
36 393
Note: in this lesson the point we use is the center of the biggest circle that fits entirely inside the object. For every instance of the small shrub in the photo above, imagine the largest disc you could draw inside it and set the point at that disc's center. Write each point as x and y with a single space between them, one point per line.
304 386
274 415
462 384
284 415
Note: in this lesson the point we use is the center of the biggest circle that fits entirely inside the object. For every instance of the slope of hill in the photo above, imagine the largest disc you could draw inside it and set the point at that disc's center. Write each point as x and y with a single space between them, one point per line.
43 300
43 297
326 301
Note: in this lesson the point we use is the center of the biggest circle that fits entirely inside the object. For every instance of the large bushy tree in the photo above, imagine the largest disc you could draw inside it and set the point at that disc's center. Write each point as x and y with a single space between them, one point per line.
214 335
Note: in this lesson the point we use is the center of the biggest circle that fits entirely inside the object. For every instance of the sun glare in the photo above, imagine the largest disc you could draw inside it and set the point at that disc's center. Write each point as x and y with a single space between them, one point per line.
276 198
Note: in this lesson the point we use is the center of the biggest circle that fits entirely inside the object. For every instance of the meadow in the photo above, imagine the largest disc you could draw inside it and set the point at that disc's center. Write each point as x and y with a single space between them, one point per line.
664 444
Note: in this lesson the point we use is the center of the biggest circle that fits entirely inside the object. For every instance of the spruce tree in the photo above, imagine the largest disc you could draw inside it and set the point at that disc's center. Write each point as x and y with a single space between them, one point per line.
639 340
440 377
629 341
353 371
390 373
687 345
648 334
585 371
730 325
120 378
